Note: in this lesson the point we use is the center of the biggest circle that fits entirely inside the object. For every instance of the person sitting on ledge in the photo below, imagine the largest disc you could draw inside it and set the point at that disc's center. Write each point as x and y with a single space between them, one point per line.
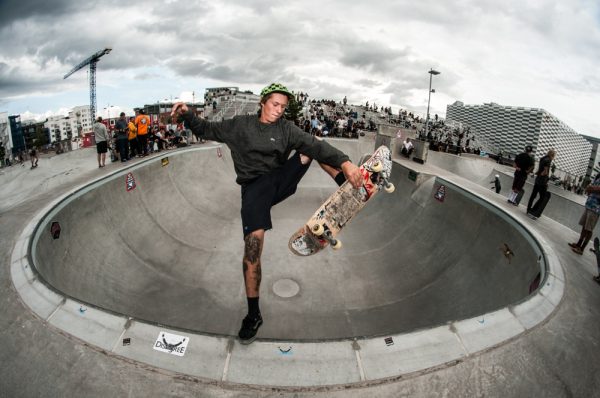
407 147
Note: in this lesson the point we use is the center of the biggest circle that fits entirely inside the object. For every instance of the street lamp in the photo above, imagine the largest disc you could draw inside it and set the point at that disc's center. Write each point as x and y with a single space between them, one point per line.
431 73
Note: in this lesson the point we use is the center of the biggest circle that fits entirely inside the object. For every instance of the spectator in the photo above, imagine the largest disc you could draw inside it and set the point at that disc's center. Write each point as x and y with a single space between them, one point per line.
132 138
407 147
589 218
101 136
497 186
121 130
596 251
524 163
540 186
142 123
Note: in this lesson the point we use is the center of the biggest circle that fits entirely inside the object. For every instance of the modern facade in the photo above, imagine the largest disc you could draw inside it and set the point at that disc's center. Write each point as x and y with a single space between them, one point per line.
509 129
16 134
5 137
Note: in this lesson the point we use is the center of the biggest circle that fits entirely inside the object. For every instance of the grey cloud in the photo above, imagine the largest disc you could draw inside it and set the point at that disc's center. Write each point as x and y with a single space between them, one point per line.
12 11
372 56
369 83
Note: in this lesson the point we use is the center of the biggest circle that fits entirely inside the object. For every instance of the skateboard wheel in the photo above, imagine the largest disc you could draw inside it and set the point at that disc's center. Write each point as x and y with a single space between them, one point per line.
376 167
318 229
337 245
389 188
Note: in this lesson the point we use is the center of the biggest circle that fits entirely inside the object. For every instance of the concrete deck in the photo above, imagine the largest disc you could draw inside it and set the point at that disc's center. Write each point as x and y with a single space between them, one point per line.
55 353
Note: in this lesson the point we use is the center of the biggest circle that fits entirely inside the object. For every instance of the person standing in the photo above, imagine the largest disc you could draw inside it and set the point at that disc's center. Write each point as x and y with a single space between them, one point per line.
524 163
497 185
122 129
132 138
101 137
260 147
589 218
142 123
540 186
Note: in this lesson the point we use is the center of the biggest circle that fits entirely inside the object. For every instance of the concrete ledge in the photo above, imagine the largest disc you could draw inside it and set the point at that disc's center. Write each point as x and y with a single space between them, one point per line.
286 364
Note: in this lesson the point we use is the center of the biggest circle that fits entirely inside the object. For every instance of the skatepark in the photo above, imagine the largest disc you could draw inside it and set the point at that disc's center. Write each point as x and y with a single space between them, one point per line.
423 299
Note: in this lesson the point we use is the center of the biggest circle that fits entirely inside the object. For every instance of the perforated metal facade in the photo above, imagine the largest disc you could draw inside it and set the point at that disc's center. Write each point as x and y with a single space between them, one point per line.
512 128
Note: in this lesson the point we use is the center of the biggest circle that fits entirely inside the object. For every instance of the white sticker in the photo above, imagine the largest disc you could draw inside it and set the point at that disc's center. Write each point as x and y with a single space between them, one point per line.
171 343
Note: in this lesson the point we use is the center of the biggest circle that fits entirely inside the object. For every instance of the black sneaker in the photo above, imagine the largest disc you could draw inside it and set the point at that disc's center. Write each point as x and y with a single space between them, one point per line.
249 328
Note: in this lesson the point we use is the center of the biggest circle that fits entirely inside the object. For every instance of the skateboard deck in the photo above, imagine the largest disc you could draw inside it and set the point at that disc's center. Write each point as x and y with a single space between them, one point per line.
326 223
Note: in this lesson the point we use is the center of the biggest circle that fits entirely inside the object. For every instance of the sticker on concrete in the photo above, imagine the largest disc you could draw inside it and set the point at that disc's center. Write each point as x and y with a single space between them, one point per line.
129 182
389 341
164 161
55 230
285 351
440 195
171 343
127 341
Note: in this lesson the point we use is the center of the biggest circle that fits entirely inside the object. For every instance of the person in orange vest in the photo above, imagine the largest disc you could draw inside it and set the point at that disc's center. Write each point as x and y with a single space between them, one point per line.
142 122
132 138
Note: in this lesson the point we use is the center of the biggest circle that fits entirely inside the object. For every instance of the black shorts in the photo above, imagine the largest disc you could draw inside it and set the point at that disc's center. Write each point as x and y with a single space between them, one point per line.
102 147
264 192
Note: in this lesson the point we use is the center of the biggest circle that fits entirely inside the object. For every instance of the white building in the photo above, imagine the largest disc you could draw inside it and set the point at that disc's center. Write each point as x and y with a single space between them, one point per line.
81 120
510 129
60 128
75 125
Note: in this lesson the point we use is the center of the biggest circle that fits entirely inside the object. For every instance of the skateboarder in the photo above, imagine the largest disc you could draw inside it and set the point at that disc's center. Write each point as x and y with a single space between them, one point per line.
524 163
260 147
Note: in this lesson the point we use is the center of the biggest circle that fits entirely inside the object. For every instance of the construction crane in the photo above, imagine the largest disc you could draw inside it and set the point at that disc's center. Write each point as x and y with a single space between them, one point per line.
91 61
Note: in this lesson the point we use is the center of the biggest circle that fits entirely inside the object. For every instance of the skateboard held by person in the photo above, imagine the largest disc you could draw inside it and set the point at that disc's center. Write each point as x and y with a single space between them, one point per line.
325 224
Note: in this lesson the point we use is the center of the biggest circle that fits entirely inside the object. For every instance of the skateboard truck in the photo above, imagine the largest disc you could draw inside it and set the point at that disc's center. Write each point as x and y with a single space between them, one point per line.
323 232
377 167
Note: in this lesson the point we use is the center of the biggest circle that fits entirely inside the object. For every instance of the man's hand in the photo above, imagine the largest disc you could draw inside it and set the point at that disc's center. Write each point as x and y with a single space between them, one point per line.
179 108
352 173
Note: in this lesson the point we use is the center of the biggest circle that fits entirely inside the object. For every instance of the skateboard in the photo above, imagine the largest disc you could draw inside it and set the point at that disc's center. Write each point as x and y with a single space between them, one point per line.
326 223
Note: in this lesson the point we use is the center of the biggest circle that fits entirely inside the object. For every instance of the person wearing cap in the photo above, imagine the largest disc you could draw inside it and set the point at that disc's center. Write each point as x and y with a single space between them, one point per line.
524 163
496 181
589 218
260 146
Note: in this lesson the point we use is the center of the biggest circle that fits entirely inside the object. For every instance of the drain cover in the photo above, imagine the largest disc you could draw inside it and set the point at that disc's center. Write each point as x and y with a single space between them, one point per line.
286 288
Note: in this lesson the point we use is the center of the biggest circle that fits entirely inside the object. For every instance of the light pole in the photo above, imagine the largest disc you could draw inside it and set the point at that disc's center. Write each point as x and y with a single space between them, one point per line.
431 73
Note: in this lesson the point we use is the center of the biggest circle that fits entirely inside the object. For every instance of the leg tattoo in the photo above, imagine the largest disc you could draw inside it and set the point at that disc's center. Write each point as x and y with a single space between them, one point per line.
251 264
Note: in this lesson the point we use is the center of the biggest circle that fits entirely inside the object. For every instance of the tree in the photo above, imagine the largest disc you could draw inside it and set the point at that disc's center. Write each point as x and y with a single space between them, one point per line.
292 112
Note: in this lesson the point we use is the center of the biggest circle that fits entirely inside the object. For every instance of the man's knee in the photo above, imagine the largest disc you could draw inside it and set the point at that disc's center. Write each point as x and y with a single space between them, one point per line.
304 159
253 243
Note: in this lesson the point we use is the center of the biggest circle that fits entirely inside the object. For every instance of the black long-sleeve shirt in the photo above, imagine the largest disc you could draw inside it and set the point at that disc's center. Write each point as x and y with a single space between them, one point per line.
258 148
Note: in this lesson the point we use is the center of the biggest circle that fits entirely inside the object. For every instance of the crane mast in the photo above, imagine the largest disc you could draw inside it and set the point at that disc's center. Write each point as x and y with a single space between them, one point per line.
91 61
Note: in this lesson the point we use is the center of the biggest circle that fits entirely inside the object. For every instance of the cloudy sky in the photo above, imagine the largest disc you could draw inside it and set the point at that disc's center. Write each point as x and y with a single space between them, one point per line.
532 53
